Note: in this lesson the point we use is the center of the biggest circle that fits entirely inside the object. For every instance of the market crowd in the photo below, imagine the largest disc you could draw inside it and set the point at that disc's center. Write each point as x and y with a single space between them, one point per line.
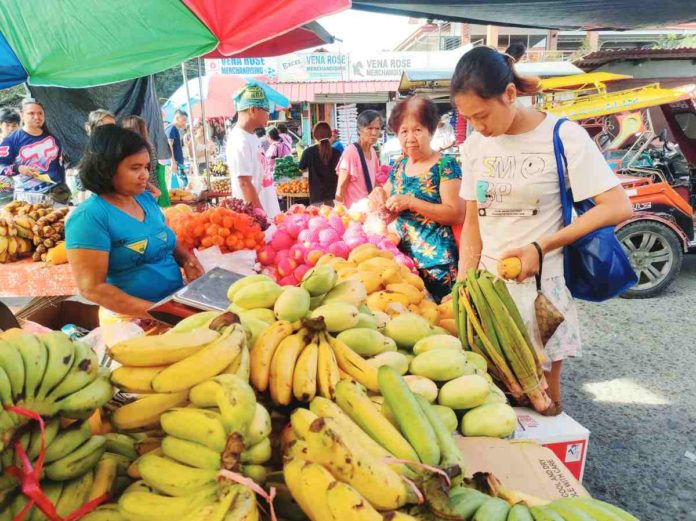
498 197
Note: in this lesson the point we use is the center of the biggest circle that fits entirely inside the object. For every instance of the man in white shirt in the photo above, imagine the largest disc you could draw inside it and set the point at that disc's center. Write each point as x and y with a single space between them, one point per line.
245 157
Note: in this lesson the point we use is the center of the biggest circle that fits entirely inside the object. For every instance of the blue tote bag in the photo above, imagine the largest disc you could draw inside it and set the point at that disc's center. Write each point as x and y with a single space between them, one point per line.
596 266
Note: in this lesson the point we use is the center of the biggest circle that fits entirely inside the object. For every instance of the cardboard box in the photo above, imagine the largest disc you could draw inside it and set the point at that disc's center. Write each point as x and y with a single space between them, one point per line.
562 434
521 466
55 315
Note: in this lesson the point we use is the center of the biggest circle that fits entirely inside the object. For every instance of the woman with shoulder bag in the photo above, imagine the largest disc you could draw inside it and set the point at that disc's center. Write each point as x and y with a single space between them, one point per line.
510 182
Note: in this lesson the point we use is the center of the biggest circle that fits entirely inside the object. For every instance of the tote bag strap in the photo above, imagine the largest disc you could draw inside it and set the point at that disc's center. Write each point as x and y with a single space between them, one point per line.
562 167
366 172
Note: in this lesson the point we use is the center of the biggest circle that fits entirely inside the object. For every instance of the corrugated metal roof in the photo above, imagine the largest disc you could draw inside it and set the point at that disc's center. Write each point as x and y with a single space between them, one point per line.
599 58
308 91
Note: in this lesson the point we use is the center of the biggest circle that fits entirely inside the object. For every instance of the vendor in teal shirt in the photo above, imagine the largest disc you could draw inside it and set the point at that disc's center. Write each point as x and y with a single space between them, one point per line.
122 254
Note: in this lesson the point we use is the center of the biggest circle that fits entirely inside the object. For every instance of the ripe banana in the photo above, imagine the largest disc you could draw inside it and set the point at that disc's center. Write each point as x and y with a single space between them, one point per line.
107 512
104 476
244 506
122 444
347 427
283 366
13 364
198 425
61 352
83 403
328 374
84 370
135 379
411 419
148 506
146 410
315 481
67 440
35 358
80 461
356 404
215 510
257 454
349 462
304 378
292 473
233 396
354 364
262 352
174 478
346 503
190 453
204 364
147 351
240 365
260 426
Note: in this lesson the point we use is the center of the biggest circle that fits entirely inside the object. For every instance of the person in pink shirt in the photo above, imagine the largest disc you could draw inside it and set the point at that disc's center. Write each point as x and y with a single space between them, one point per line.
354 182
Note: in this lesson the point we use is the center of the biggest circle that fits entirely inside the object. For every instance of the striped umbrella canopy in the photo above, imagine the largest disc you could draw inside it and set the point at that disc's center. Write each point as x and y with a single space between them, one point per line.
84 43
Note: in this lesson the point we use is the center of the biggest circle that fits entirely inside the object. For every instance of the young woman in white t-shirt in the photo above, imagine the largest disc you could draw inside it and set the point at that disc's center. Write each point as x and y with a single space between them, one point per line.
510 185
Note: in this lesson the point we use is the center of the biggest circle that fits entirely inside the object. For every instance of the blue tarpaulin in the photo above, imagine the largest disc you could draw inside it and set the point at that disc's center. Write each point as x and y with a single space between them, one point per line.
11 71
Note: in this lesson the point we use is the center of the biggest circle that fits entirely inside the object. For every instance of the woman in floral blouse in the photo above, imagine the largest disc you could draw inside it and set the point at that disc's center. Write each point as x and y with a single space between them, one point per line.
422 193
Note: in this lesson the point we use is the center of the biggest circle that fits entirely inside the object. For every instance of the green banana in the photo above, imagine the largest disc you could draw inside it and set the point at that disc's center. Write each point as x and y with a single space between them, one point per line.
258 473
119 486
258 454
466 504
78 462
6 397
520 512
13 364
190 453
569 513
51 432
67 440
61 352
541 513
121 444
148 506
84 370
596 509
260 426
53 491
199 425
233 396
412 421
74 494
35 357
83 403
122 462
450 453
174 478
494 509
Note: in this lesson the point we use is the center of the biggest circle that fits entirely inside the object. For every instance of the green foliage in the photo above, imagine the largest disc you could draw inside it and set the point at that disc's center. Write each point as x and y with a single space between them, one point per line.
166 82
674 41
13 96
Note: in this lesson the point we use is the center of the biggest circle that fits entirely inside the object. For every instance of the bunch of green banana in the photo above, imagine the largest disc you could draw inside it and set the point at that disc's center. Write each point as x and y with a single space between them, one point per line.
50 375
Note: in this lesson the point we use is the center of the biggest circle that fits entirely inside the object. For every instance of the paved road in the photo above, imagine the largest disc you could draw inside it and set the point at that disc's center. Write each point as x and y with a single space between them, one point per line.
635 389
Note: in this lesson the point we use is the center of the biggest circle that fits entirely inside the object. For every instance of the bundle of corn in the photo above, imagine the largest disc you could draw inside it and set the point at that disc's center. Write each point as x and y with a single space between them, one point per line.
490 324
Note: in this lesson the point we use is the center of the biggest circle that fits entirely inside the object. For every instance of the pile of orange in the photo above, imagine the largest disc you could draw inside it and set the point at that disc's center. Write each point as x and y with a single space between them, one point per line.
296 186
222 227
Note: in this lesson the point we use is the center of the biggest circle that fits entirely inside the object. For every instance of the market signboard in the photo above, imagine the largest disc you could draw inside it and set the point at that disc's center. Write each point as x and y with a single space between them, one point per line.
319 66
245 67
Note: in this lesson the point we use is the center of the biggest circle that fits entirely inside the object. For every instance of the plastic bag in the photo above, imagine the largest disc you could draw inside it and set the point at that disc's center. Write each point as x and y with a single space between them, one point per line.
242 261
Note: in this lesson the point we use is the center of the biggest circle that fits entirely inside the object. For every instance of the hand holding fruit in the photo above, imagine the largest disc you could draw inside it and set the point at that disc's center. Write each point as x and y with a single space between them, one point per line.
377 199
528 260
399 203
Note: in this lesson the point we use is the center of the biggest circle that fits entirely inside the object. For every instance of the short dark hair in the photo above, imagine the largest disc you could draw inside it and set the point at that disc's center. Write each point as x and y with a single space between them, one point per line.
366 117
107 147
180 112
274 134
487 73
8 115
282 128
260 132
424 109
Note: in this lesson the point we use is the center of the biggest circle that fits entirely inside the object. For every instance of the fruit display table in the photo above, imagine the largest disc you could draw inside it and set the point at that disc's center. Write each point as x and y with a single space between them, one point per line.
26 278
288 199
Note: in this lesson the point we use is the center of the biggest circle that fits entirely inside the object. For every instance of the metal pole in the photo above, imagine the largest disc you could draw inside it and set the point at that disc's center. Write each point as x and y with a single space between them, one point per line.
190 113
205 122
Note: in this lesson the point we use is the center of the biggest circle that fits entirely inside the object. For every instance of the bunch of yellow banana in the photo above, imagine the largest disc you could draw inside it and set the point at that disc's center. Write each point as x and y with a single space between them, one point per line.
162 368
302 361
223 428
50 375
